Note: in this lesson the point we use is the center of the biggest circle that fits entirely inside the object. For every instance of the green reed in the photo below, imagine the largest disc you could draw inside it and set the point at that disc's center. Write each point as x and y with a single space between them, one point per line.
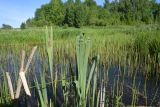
122 46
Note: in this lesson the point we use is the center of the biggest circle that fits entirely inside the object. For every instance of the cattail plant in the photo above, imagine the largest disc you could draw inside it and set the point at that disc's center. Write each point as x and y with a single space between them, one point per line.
83 46
49 49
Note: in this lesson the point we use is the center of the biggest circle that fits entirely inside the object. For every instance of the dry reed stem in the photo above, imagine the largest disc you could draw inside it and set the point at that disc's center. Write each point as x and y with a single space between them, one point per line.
19 83
30 58
24 81
19 79
10 85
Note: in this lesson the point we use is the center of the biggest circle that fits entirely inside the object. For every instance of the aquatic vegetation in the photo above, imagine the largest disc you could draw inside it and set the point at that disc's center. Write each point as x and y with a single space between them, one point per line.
109 66
82 83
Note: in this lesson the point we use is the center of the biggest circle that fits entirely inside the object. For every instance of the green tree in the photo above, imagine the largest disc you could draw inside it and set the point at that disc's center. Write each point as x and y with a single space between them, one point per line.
77 13
90 3
92 12
106 4
42 15
57 12
79 16
5 26
69 17
23 25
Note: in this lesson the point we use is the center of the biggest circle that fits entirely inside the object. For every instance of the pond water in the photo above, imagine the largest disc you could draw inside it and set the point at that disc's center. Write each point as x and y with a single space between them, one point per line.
116 77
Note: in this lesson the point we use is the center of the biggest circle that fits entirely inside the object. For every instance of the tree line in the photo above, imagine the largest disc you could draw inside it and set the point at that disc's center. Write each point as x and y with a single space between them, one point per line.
75 13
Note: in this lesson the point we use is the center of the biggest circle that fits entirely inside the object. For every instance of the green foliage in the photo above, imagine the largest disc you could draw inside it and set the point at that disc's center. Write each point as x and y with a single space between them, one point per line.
140 44
90 3
113 43
49 49
5 26
106 4
42 94
135 11
83 46
69 16
4 90
79 16
23 26
82 50
77 13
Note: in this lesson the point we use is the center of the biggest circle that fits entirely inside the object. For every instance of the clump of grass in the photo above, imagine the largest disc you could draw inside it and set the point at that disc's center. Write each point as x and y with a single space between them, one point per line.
82 49
49 49
83 46
110 44
4 90
42 90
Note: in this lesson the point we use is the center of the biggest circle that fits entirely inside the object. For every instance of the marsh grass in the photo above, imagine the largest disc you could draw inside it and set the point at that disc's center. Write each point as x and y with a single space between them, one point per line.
82 84
129 49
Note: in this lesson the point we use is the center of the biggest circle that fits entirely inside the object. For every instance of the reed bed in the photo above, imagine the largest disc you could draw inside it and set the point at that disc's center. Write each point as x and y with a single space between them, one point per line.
110 66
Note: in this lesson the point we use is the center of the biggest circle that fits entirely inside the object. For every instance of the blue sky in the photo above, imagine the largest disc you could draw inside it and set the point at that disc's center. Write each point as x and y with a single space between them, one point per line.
14 12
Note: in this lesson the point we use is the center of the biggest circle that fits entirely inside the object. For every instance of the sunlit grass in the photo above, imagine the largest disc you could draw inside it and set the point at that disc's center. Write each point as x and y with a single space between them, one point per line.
128 48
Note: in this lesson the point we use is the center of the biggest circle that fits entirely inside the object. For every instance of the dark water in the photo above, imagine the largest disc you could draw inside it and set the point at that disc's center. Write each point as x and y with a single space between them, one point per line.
148 89
138 81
